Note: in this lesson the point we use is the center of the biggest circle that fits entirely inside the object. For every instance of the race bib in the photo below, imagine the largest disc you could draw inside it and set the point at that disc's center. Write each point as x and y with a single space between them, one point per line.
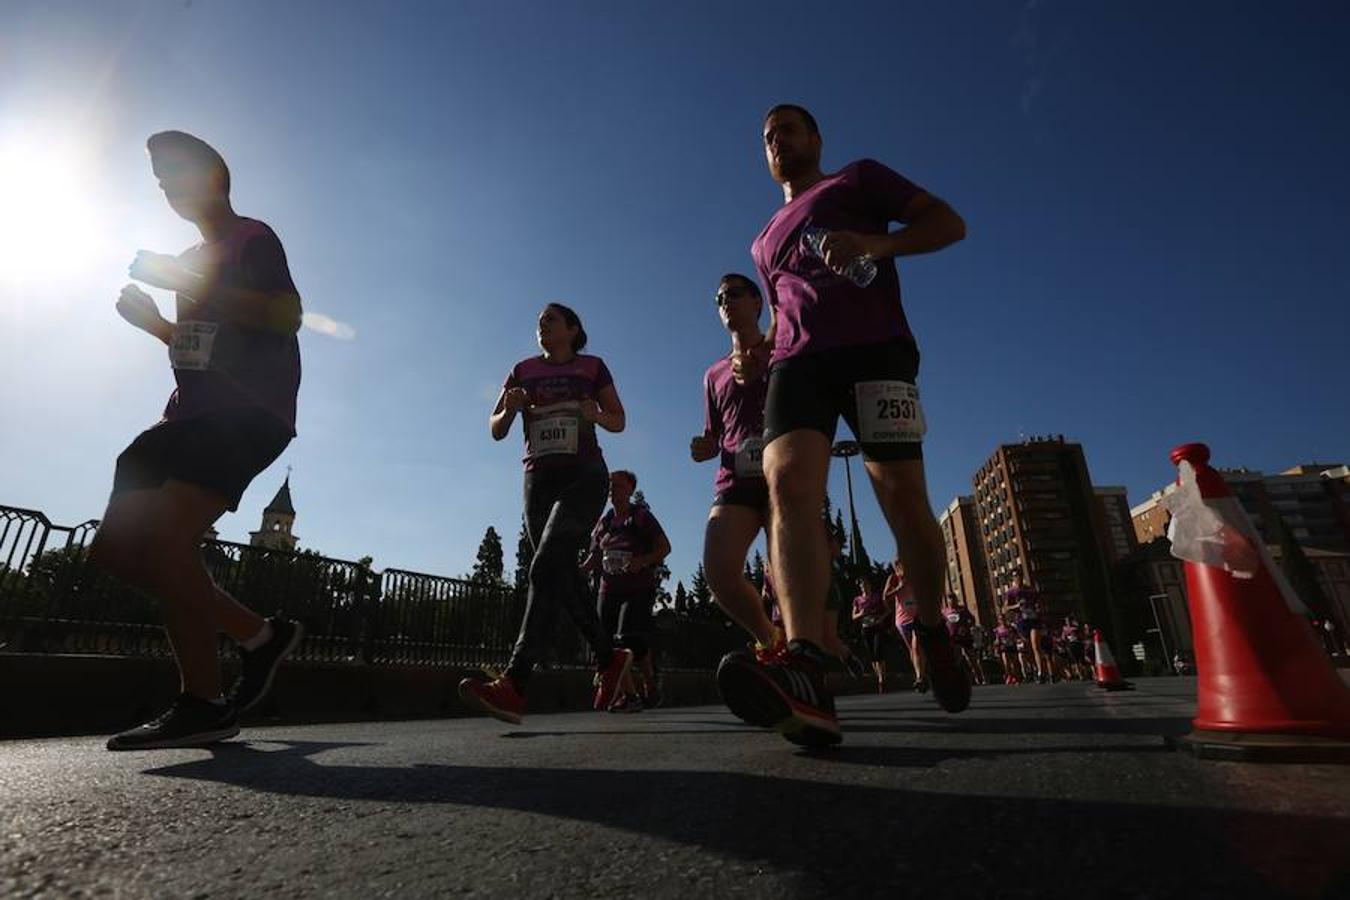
750 458
615 561
555 429
191 343
889 412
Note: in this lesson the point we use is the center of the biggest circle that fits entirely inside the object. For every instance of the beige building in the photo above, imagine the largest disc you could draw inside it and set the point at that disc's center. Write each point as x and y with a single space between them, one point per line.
1115 526
1040 524
967 574
1310 498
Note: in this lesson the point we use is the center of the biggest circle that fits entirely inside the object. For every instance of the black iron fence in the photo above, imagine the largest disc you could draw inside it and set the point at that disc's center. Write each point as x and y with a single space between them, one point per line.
53 601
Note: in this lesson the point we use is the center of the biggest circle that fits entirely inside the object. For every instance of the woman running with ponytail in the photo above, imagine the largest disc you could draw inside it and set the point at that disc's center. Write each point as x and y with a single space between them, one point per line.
563 395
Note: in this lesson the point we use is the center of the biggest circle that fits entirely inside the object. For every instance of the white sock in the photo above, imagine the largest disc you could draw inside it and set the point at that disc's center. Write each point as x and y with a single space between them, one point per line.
263 636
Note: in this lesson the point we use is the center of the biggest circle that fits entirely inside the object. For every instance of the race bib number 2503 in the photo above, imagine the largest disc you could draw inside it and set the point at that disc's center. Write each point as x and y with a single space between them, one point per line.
889 412
191 345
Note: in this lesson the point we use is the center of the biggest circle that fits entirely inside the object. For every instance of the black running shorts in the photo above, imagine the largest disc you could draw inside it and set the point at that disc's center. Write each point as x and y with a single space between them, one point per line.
222 453
751 494
812 392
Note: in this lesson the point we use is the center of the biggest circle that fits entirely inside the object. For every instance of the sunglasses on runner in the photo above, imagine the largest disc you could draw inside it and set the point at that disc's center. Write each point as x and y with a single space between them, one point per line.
727 293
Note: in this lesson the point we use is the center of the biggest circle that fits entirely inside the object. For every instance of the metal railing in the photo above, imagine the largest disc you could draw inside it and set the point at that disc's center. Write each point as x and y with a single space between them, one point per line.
53 601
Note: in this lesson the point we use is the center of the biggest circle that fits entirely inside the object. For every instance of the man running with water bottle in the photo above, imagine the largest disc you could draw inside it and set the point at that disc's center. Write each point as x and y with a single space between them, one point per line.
841 347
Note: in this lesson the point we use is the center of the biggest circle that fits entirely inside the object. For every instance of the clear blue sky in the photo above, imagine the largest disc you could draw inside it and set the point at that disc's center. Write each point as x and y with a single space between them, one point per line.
1156 196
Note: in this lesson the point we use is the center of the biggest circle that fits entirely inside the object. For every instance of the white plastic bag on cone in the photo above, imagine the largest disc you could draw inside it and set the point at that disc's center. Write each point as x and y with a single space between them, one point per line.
1217 532
1202 534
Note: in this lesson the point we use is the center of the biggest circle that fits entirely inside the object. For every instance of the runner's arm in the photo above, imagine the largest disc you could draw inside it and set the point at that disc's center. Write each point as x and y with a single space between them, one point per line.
499 423
273 306
930 224
610 415
659 552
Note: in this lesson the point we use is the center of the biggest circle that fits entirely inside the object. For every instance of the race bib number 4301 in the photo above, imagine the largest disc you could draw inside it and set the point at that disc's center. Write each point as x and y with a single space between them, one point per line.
191 344
554 430
889 412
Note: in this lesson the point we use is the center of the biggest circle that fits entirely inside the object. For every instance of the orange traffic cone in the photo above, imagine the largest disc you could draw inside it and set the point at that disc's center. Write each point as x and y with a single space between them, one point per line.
1108 673
1265 688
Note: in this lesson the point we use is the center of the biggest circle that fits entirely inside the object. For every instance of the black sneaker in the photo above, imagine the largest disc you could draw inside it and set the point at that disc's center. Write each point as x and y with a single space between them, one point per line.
652 698
785 691
946 676
189 722
258 667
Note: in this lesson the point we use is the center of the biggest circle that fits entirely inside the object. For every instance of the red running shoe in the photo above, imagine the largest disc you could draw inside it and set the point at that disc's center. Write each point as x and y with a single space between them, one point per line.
499 698
607 679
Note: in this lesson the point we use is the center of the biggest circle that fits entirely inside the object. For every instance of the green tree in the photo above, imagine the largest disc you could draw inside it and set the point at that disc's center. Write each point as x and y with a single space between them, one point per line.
681 599
662 592
524 558
757 571
700 595
489 566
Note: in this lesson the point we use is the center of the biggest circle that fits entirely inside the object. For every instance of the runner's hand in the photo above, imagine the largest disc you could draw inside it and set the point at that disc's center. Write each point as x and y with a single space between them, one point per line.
590 410
162 271
515 399
748 365
702 448
138 308
843 247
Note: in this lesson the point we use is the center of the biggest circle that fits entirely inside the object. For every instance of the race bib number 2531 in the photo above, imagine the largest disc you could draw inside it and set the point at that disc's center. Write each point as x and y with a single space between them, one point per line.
889 412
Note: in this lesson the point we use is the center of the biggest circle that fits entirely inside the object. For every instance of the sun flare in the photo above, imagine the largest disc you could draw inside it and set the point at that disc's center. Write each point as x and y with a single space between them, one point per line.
51 212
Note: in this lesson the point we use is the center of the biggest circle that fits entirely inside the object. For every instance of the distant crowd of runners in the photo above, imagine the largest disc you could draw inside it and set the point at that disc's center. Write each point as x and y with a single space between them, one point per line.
837 345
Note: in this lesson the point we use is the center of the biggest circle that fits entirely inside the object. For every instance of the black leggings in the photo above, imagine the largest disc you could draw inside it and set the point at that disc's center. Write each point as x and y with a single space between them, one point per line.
561 508
628 616
876 638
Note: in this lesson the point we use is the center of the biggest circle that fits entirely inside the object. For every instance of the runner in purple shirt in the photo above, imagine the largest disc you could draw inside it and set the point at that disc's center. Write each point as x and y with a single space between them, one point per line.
840 349
237 364
563 395
877 625
960 625
627 545
1024 604
733 434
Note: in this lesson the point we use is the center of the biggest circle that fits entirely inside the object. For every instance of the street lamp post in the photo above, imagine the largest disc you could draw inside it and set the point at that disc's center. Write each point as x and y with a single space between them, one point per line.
848 449
1152 604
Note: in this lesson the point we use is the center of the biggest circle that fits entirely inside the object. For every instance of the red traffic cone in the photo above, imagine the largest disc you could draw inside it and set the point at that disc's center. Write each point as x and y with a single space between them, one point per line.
1108 673
1265 688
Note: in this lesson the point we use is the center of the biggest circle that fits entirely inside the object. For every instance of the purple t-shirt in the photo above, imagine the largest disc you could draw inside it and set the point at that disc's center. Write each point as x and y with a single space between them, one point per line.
556 435
734 415
817 309
1027 600
223 368
870 608
616 540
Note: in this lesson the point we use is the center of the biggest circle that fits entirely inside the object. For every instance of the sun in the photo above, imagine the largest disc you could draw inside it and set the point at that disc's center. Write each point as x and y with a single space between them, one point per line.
51 214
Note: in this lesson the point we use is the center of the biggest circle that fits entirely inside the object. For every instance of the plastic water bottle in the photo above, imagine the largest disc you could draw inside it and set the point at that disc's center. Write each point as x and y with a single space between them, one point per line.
860 270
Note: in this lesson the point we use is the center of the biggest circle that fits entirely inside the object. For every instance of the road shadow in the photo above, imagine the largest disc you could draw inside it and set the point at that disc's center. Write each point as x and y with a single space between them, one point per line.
850 839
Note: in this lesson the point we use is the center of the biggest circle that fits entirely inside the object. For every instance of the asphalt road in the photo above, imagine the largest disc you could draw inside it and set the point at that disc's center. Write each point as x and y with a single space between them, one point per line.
1036 791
